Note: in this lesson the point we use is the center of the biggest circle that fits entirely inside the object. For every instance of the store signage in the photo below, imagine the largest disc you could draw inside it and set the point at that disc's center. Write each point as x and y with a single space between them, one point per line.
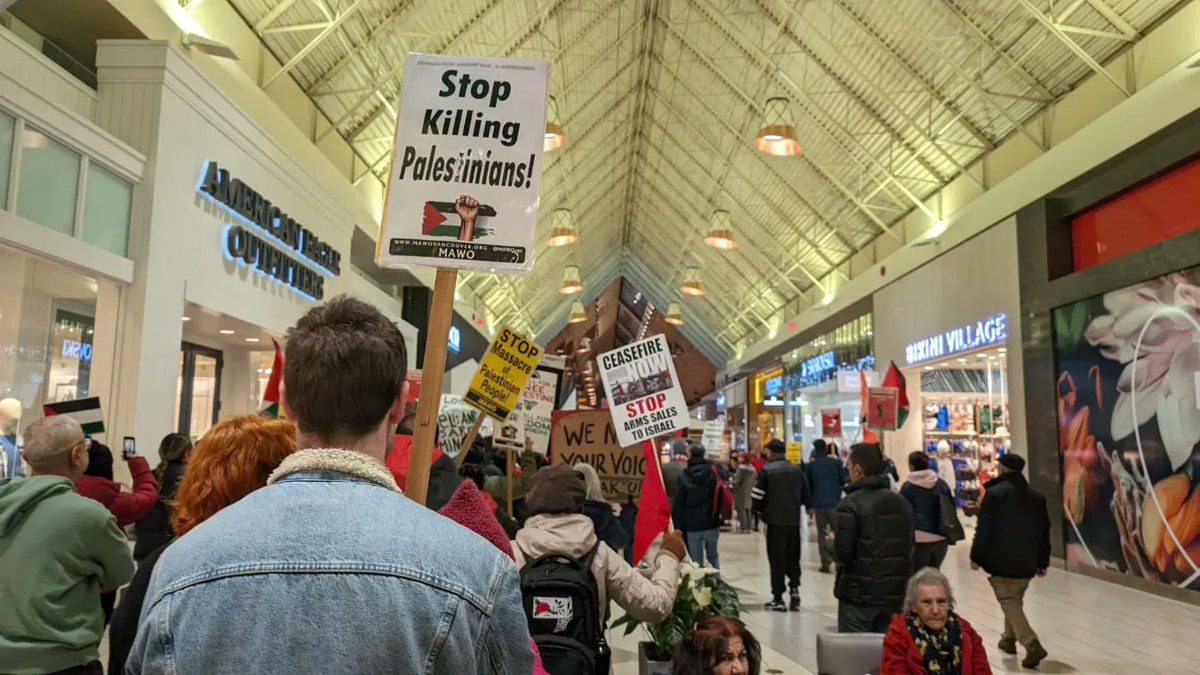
455 340
988 331
244 245
74 349
720 401
818 365
774 386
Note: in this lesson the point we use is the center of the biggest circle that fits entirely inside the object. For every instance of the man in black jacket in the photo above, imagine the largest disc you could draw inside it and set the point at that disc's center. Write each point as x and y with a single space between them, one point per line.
1012 544
778 494
693 509
873 546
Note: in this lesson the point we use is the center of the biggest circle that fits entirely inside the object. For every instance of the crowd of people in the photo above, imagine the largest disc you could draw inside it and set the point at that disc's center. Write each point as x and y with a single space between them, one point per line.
287 546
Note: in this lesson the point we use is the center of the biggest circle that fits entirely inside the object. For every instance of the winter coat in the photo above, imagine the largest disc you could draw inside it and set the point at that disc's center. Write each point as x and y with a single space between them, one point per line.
154 529
1012 534
127 507
873 544
945 471
670 474
780 490
826 478
924 490
743 486
57 552
692 507
901 656
123 628
608 529
649 600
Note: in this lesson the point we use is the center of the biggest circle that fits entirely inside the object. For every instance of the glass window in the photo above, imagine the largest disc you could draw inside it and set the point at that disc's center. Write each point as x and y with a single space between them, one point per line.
106 209
48 182
6 133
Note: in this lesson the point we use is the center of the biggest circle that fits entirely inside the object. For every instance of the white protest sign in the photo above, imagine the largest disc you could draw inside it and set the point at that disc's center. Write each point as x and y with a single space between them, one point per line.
643 390
463 189
454 422
536 406
511 432
714 433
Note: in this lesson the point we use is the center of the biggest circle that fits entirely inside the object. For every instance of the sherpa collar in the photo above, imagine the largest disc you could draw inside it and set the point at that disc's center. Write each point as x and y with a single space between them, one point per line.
340 461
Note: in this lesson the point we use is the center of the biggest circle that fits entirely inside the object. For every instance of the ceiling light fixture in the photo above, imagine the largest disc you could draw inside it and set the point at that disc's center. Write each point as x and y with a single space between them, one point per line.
828 299
187 318
563 232
674 314
1002 350
571 281
225 331
555 136
252 339
778 134
209 46
585 345
577 313
691 282
720 236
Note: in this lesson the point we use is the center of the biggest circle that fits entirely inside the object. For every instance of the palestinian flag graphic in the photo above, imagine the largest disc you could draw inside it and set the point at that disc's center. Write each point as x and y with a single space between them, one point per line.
271 399
86 411
894 378
440 219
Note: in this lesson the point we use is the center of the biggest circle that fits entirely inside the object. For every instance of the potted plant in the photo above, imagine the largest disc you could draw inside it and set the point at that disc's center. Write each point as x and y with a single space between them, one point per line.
701 594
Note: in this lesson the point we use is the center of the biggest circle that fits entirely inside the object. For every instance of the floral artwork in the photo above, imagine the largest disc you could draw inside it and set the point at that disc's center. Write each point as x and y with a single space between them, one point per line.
1129 424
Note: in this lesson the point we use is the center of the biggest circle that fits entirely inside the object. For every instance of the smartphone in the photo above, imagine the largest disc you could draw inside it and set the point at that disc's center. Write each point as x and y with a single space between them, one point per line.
129 447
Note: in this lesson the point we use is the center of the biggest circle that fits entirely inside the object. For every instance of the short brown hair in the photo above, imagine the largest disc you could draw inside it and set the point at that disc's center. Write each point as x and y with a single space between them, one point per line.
344 365
233 459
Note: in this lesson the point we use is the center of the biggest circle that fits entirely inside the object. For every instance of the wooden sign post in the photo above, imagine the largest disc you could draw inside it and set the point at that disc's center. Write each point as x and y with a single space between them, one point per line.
432 369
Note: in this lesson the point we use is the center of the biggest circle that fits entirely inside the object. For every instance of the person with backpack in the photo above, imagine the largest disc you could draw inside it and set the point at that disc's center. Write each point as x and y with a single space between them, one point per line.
934 515
697 505
568 576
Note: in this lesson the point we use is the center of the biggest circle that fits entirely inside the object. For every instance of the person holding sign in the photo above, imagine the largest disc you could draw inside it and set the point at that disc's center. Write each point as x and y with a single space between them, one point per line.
338 555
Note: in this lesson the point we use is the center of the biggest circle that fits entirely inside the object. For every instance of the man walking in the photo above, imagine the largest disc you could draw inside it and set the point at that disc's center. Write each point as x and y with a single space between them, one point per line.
352 576
873 546
779 493
1012 544
826 478
57 551
694 510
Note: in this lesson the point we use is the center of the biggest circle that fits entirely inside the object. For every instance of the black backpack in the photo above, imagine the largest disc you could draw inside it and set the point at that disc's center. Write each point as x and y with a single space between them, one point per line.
562 607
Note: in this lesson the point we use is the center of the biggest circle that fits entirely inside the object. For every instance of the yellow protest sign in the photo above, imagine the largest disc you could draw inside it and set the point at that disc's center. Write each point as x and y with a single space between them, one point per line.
501 376
793 453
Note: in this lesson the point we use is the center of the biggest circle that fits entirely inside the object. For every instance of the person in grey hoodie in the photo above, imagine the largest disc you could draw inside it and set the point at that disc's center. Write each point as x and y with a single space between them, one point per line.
57 550
924 490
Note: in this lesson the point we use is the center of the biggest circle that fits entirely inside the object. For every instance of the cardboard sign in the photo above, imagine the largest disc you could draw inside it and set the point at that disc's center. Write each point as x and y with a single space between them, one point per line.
793 453
463 189
883 405
643 390
502 373
454 422
831 422
589 436
714 433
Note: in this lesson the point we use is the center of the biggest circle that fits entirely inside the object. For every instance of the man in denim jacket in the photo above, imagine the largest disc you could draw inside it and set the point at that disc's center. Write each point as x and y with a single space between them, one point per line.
329 569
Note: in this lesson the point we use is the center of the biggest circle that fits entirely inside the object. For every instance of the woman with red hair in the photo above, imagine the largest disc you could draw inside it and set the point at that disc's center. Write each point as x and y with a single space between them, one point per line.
233 459
718 646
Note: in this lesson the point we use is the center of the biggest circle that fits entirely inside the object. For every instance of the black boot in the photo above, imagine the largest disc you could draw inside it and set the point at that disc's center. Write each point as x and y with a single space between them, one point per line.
794 604
1034 654
776 605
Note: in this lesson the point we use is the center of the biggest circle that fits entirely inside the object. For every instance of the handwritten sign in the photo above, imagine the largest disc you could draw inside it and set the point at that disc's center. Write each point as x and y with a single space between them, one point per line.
502 373
454 421
536 408
588 436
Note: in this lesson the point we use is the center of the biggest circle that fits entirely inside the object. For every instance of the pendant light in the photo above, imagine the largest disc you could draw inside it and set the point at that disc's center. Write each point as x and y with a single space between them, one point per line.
555 136
778 134
571 282
691 282
577 314
674 314
720 235
563 232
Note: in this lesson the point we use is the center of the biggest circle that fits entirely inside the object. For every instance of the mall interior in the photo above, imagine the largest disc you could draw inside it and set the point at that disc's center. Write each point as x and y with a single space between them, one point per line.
990 206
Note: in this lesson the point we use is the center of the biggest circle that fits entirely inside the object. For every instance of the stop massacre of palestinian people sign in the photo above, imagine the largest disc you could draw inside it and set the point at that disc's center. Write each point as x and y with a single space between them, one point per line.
643 390
501 376
464 182
588 436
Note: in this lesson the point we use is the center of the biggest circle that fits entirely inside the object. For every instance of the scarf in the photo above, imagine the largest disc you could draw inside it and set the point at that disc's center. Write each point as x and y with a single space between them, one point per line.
941 651
339 461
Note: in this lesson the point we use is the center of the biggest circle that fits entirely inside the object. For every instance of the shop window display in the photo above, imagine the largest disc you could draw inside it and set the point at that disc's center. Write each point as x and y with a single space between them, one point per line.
1129 424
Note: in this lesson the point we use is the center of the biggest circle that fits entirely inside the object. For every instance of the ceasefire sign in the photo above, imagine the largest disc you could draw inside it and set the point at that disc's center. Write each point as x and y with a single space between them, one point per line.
502 373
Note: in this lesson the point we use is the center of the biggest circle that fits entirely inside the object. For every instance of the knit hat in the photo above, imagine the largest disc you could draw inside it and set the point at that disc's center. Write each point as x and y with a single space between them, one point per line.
100 461
679 448
469 508
1012 461
556 489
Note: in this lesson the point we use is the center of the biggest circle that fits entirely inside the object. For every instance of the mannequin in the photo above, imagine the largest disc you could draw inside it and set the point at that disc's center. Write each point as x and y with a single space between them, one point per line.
10 441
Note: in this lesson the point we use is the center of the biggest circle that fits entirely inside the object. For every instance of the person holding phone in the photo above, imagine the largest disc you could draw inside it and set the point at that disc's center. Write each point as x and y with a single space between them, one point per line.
126 507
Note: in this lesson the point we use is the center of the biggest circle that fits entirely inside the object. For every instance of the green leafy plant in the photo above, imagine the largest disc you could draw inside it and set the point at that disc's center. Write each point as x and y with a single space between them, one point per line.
701 594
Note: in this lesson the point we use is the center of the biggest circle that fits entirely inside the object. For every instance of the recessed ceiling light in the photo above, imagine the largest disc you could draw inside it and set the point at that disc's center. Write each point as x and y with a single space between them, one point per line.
187 318
962 360
1002 350
251 339
928 367
225 331
944 365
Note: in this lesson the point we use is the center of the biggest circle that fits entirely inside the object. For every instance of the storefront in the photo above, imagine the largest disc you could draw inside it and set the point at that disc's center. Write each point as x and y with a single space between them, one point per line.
764 411
822 389
1110 266
952 328
731 403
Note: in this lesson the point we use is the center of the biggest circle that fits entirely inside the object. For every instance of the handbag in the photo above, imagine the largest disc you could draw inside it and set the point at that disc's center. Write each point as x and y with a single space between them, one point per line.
948 524
722 498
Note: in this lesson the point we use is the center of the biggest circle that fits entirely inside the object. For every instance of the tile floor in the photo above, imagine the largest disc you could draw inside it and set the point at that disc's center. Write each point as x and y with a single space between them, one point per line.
1090 627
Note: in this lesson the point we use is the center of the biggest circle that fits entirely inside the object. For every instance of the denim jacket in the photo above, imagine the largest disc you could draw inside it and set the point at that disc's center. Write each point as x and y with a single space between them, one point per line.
328 571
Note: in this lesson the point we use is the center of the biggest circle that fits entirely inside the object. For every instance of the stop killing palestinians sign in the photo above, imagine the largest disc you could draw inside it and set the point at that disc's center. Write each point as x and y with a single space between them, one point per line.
643 390
464 182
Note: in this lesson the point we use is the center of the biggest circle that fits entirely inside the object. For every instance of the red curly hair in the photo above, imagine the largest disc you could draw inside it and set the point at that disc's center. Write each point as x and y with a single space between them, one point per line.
233 459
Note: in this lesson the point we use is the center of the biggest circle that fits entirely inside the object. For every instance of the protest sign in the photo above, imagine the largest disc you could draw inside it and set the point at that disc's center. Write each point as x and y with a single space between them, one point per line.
643 389
883 405
793 453
454 421
510 434
714 433
536 406
588 436
831 422
502 373
463 189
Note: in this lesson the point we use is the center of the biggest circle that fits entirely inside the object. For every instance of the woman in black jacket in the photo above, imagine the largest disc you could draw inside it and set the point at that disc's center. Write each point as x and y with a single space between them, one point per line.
154 529
608 529
924 492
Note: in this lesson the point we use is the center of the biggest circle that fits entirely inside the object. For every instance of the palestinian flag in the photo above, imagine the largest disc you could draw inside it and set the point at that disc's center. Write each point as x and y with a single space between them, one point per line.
271 399
86 411
434 221
895 379
868 436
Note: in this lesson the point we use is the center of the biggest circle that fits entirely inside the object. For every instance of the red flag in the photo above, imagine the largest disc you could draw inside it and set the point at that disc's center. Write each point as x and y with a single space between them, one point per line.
654 510
895 379
271 400
868 435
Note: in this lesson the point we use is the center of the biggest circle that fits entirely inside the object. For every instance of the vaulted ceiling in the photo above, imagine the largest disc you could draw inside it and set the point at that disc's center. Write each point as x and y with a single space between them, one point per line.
661 100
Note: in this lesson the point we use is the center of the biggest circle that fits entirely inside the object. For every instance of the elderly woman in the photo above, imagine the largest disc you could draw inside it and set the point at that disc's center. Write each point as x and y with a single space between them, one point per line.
930 639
